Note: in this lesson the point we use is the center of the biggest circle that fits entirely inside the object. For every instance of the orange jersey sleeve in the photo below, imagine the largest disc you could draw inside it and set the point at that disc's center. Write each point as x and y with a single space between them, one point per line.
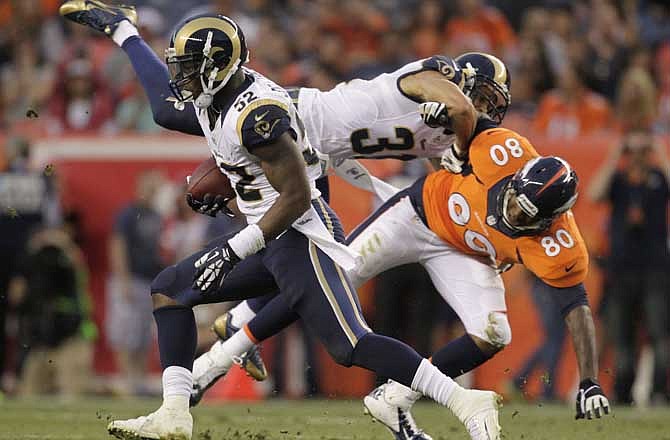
499 152
558 256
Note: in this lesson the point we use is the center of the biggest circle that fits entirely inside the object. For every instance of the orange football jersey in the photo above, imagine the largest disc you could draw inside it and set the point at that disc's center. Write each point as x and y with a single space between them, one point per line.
461 209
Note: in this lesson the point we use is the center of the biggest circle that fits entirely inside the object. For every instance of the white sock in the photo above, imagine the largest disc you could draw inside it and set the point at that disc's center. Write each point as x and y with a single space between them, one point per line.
241 314
123 31
223 352
431 382
177 383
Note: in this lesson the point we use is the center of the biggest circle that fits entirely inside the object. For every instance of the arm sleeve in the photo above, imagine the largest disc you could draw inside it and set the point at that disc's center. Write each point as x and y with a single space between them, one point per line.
566 298
155 80
263 122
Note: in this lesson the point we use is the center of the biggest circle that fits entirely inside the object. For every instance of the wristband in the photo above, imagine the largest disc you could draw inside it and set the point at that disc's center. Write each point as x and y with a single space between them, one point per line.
123 31
247 242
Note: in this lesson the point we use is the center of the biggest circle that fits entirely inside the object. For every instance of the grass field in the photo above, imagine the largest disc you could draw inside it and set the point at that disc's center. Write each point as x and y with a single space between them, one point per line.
317 420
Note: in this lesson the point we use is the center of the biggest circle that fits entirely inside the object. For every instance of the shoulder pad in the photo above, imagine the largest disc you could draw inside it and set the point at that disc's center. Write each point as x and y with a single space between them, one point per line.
262 122
446 66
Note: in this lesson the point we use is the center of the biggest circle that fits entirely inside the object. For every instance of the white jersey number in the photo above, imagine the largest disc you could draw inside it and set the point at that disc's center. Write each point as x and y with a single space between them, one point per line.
552 246
500 155
459 211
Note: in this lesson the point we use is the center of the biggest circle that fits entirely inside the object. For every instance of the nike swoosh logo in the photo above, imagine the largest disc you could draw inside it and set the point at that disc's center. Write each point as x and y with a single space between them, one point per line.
569 268
261 117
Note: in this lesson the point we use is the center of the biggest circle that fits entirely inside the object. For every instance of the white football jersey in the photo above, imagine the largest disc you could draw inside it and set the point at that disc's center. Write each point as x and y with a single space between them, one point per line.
260 113
373 118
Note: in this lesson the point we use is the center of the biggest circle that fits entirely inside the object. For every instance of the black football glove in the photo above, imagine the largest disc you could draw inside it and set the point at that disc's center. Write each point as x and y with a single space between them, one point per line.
213 267
591 400
434 114
209 205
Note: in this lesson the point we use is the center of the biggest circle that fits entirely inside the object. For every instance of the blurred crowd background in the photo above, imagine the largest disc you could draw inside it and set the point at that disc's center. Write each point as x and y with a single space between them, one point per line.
578 68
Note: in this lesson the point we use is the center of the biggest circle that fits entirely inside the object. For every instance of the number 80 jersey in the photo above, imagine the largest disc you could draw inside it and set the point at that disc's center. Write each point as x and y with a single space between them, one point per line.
461 209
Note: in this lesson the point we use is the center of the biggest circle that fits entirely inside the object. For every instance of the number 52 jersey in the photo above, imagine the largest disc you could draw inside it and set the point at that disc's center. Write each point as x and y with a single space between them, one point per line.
461 210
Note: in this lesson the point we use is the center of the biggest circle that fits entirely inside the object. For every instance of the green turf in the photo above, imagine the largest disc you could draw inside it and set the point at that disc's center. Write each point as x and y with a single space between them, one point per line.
317 420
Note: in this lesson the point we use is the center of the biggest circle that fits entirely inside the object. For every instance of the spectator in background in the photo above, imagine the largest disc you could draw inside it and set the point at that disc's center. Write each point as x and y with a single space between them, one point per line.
80 102
28 201
134 256
609 37
50 294
639 259
654 22
662 75
571 110
479 28
426 29
637 96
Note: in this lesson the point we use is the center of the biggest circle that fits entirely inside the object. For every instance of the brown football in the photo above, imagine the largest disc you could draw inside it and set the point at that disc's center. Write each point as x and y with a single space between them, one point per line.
208 178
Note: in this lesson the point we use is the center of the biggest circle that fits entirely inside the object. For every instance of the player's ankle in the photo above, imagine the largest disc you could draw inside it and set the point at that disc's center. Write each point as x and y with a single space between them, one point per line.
124 30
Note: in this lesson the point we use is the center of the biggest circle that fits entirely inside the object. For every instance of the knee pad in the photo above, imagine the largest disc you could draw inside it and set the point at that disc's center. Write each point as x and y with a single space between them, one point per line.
498 332
164 281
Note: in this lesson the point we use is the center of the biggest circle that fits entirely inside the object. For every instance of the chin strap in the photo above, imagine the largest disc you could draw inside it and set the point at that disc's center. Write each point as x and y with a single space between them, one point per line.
206 98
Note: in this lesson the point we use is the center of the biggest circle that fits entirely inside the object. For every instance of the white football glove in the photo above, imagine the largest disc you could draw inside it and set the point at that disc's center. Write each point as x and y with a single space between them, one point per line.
213 267
451 162
434 114
591 400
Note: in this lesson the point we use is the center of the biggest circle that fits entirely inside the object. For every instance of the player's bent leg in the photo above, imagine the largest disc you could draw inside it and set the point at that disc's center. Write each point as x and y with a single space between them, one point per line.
173 298
389 237
328 305
230 322
240 347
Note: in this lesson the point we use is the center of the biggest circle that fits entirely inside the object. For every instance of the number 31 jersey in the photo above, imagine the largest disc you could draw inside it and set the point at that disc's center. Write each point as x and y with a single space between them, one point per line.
461 209
259 114
373 118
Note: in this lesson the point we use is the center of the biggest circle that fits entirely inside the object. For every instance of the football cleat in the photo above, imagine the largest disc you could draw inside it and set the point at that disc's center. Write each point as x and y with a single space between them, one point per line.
478 411
207 369
164 424
98 15
390 404
251 361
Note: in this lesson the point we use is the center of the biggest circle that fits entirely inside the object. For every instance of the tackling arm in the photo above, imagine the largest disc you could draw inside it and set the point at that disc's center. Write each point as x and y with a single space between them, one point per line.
430 85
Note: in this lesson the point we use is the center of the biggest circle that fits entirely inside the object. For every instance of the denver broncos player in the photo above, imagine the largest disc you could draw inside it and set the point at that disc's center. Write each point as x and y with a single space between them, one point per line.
292 239
468 223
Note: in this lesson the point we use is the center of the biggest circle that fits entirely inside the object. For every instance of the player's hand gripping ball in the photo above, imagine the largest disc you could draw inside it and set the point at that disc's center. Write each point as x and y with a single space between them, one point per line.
209 190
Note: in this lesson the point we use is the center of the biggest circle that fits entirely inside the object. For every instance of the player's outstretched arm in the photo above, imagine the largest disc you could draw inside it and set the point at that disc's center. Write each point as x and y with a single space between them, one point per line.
591 400
432 86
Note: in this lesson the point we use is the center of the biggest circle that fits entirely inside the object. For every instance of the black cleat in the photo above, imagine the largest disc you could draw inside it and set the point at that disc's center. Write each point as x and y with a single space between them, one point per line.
98 15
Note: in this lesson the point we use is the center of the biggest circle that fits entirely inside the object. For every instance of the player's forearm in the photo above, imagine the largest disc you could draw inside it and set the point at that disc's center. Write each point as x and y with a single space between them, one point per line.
581 327
285 170
153 75
430 86
285 211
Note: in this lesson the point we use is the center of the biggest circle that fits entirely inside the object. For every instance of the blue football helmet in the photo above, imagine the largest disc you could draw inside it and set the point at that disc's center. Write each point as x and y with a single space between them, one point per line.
488 83
204 53
543 189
